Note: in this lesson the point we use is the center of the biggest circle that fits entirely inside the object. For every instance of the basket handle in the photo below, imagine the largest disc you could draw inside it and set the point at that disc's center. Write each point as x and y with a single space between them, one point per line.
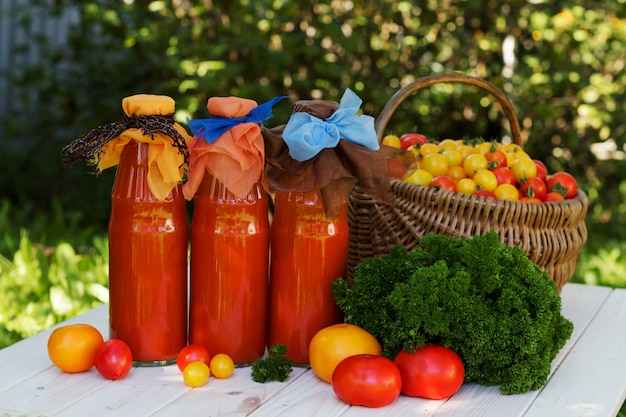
453 77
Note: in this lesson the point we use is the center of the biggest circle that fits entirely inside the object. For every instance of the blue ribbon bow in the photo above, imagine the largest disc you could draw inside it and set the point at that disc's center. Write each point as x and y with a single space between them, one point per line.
213 128
306 135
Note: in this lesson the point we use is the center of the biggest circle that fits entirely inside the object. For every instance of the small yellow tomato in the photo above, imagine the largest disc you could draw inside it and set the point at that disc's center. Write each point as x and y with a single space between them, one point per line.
482 148
485 180
435 163
464 150
428 148
447 145
475 162
506 192
391 140
466 186
456 173
333 343
419 177
222 366
524 168
196 374
453 156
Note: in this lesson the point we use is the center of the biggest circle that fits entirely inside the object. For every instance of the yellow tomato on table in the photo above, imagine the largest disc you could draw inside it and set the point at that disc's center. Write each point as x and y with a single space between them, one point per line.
334 343
72 347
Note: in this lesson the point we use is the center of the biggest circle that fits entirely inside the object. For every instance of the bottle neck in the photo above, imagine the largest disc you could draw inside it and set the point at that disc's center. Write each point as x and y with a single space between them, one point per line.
131 178
211 188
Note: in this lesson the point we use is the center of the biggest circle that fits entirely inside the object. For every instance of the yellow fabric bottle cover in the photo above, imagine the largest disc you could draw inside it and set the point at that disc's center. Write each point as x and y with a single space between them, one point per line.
149 119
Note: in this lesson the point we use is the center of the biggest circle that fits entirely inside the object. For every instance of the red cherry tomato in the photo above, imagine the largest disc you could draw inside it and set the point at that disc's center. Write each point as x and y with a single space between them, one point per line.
192 353
409 139
113 359
530 200
496 158
563 183
552 197
485 194
504 175
542 170
367 380
444 182
533 187
432 371
395 168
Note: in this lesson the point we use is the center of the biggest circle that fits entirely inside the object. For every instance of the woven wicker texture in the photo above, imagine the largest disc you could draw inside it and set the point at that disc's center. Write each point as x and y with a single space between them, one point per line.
552 234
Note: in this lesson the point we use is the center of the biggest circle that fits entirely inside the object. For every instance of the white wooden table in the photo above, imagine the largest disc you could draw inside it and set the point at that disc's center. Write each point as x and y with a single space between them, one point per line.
588 379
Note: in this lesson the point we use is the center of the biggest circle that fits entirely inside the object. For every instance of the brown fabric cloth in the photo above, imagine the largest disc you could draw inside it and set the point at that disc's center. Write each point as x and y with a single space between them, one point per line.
334 171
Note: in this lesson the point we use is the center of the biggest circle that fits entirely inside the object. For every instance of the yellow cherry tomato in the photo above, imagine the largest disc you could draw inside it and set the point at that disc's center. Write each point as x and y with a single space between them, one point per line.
485 180
524 168
475 162
464 150
196 374
222 366
506 192
456 173
332 344
391 140
512 148
419 177
447 145
466 186
435 163
428 148
482 148
453 156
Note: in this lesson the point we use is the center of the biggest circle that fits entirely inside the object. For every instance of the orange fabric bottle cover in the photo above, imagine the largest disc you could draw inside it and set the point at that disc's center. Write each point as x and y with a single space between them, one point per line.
229 145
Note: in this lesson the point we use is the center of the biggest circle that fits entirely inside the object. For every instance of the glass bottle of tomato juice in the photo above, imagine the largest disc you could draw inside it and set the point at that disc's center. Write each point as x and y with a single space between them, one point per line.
309 251
230 240
147 263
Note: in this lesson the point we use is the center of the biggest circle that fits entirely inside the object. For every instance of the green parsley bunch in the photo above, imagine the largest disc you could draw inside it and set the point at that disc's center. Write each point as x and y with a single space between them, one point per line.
489 303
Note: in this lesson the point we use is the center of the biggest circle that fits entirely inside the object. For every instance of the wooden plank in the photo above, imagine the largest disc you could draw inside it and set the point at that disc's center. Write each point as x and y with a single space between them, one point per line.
308 396
49 391
591 381
35 387
238 395
28 357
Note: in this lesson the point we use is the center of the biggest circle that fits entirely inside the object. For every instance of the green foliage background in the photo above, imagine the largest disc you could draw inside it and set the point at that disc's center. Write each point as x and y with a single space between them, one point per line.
565 75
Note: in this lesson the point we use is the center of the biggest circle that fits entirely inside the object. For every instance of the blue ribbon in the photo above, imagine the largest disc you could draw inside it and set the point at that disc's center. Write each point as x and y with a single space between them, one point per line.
213 128
306 135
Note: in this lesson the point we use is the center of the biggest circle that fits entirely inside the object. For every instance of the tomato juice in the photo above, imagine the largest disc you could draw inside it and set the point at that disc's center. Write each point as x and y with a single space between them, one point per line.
147 264
230 240
308 252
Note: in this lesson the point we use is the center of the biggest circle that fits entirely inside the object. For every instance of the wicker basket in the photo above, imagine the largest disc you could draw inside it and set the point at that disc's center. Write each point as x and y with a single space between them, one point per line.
552 234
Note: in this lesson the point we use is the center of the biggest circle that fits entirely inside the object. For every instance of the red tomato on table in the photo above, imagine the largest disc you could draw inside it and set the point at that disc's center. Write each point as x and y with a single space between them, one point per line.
432 371
192 353
113 359
367 380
